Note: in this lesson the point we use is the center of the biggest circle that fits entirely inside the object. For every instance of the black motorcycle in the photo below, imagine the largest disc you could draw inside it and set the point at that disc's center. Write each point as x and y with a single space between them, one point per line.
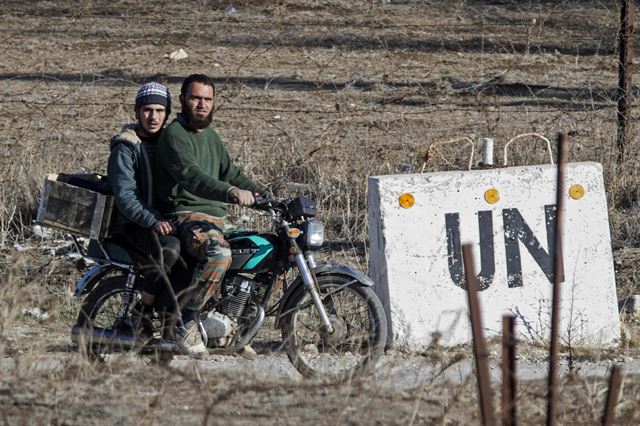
332 323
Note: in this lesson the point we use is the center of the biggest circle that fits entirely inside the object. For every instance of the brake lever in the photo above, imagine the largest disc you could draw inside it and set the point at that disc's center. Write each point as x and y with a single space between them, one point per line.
261 201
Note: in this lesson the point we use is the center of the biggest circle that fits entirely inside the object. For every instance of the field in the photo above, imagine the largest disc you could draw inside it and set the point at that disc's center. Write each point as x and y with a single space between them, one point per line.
312 97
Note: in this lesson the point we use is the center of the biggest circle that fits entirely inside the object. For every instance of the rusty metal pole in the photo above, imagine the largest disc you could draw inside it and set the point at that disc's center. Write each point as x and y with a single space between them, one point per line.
625 38
508 370
558 277
615 382
479 348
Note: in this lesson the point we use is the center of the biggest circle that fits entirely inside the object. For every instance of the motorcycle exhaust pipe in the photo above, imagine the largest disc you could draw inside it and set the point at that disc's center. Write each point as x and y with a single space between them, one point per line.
114 339
102 336
252 331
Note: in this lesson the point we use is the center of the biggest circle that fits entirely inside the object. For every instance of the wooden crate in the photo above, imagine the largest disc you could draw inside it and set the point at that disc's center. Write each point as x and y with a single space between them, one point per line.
68 204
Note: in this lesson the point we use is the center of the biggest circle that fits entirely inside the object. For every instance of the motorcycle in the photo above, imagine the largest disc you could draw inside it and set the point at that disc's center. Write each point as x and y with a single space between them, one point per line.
331 321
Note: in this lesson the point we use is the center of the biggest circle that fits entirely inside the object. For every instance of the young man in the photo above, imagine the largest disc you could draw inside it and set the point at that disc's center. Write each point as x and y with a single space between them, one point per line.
139 226
196 179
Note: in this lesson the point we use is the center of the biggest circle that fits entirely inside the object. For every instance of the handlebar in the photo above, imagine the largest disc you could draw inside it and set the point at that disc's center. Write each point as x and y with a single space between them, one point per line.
261 202
280 207
270 204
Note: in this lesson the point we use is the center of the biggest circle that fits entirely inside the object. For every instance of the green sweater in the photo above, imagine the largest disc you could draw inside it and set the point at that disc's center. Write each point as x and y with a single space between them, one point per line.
194 172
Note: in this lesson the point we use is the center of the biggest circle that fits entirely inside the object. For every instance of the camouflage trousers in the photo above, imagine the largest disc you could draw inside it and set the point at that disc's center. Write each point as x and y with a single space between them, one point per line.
202 237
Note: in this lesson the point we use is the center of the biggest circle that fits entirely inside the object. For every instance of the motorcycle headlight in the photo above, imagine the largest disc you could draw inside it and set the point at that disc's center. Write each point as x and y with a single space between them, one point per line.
313 233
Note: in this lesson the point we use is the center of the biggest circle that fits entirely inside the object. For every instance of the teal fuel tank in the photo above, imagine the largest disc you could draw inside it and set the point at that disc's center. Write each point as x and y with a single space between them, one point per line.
252 253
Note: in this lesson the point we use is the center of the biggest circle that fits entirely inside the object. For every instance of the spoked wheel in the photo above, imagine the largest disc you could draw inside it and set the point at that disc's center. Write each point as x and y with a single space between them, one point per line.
359 330
107 329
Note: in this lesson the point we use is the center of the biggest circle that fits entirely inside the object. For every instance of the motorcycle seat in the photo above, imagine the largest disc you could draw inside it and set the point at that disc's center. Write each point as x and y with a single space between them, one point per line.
116 252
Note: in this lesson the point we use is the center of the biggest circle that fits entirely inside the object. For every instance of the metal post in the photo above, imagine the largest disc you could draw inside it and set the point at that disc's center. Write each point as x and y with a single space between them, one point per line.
479 348
615 382
508 370
557 279
487 151
624 71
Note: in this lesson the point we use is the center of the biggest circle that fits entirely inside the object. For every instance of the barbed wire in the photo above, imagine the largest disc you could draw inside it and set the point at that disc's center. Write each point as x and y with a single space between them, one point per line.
425 109
117 13
284 23
380 106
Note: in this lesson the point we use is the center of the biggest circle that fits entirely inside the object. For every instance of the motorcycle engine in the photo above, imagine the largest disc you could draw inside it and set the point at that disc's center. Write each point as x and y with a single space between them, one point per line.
235 295
222 324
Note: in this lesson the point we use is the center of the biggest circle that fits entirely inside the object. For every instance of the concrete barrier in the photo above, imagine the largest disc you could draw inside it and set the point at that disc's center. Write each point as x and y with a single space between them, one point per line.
508 214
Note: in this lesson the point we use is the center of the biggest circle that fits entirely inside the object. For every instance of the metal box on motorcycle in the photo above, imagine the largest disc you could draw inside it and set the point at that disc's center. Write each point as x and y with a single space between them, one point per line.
75 204
302 207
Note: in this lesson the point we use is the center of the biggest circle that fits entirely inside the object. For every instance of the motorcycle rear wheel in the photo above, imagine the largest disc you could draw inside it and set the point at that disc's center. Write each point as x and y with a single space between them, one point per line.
100 311
360 330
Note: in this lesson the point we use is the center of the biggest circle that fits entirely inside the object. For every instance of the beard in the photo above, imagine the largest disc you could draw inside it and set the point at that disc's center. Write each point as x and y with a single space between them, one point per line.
196 123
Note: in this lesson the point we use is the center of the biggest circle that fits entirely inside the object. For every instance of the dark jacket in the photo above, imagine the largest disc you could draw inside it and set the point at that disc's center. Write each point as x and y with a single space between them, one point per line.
130 177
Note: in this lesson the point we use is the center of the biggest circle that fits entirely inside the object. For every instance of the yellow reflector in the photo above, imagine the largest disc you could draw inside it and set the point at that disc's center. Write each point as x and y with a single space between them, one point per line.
407 200
491 196
576 191
294 232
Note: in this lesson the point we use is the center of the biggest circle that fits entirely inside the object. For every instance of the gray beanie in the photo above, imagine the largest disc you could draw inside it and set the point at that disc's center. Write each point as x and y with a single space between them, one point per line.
153 93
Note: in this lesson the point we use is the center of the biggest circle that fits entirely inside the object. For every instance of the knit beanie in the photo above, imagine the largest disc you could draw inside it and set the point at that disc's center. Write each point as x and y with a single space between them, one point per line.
153 93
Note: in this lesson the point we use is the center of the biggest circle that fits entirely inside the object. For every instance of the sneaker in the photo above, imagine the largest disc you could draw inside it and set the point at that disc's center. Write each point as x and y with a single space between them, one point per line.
142 321
247 352
190 340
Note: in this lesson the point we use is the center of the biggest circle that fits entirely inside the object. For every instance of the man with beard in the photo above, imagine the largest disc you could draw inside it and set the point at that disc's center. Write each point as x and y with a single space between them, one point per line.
139 226
196 180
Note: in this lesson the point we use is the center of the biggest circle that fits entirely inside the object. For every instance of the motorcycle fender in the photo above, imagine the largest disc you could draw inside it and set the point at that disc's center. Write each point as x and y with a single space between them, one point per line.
340 269
326 269
86 283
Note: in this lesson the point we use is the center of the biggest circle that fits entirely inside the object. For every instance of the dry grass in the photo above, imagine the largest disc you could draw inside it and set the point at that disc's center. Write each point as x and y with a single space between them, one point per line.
313 98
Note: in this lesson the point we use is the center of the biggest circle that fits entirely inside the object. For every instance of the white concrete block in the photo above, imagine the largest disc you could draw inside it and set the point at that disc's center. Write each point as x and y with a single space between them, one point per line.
416 260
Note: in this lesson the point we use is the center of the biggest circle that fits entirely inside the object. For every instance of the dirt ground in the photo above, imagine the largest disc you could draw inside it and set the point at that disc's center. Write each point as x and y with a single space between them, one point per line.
312 97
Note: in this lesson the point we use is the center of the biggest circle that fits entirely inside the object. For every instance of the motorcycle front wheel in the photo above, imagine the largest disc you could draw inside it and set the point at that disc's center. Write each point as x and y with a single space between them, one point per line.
105 332
358 338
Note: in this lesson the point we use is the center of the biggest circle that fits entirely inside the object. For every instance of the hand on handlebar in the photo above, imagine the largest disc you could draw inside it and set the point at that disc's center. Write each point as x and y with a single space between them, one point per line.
241 197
